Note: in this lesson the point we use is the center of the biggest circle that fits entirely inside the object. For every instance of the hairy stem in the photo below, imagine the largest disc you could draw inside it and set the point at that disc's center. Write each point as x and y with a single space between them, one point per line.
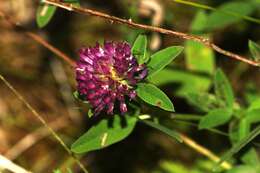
130 23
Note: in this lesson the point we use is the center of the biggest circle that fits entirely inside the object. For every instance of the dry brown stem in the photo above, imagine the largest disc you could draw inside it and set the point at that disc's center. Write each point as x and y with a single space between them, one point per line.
130 23
38 39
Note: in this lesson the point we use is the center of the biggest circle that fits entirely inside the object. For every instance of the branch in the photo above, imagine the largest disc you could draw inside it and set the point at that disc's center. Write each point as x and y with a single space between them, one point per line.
130 23
9 165
39 117
204 151
187 141
38 39
32 138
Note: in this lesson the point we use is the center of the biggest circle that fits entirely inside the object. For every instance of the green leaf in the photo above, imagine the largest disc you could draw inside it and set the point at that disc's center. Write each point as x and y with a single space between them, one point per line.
174 167
255 104
244 128
154 96
57 171
44 14
254 49
215 118
90 113
242 169
170 132
199 58
223 89
76 95
233 132
162 58
251 157
105 134
237 11
182 79
203 101
199 22
139 49
251 92
79 97
253 116
69 170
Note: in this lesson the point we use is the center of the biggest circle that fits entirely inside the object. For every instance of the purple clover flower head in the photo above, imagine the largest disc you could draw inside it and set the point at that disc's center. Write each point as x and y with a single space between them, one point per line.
106 76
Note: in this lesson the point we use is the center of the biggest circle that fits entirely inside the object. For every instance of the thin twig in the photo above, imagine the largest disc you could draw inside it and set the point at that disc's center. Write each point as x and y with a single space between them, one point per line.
39 117
130 23
38 39
204 151
10 166
32 138
190 143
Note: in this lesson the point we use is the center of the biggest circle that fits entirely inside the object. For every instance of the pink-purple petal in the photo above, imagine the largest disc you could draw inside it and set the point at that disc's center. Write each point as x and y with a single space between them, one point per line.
107 75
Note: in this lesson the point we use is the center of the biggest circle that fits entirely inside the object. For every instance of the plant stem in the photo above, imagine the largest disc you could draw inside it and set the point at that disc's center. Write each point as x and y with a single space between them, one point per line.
189 142
239 145
196 125
129 22
185 117
39 39
39 117
9 165
204 151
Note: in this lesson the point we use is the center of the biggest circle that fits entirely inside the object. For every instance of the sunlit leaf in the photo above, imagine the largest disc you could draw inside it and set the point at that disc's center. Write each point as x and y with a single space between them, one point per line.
90 113
255 104
254 49
105 133
244 128
162 58
221 18
223 89
251 158
199 22
79 97
185 81
203 101
253 116
174 167
198 57
57 171
154 96
139 49
44 14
